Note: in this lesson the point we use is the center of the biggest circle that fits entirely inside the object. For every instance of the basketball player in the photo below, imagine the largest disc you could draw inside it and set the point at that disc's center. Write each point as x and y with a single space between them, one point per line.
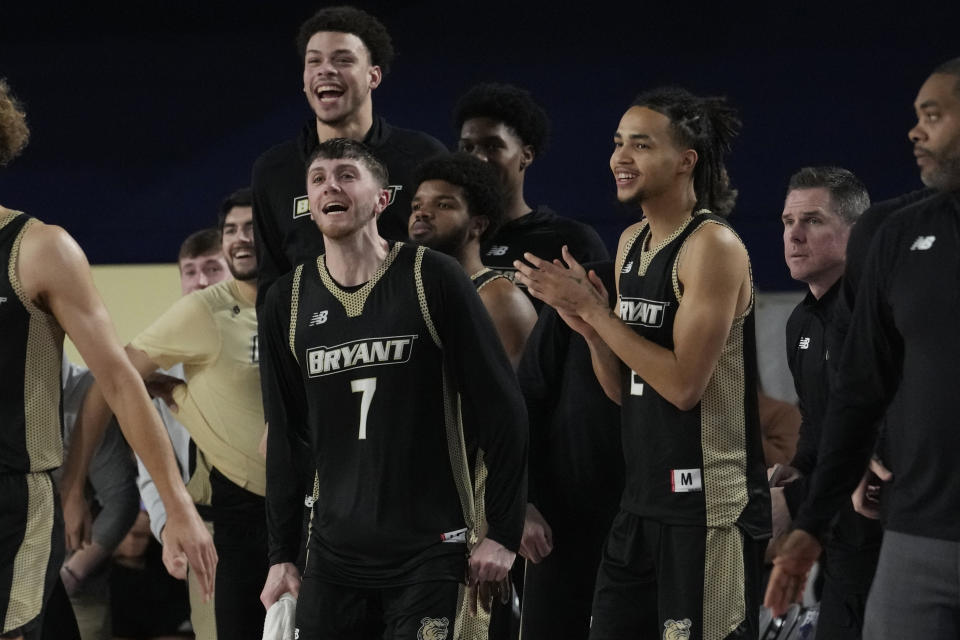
683 556
213 333
902 343
346 54
457 205
48 291
503 125
385 361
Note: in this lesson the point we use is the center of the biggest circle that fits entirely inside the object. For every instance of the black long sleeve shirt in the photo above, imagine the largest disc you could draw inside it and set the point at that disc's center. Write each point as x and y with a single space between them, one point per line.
903 339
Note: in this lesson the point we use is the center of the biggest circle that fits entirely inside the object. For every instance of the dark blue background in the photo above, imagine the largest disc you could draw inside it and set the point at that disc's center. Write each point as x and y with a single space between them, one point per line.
144 117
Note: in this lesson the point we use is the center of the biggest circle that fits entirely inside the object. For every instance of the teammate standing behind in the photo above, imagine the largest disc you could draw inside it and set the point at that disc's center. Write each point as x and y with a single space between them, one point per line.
346 53
457 204
213 332
576 476
902 344
822 205
501 124
683 556
48 290
385 361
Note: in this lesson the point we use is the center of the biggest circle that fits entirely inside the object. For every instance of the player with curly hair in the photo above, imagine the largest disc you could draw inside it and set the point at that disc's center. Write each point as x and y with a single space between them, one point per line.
503 125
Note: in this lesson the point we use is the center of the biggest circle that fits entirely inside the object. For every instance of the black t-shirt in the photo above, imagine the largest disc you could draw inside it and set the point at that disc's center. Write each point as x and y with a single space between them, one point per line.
542 233
576 459
703 466
286 235
397 386
902 341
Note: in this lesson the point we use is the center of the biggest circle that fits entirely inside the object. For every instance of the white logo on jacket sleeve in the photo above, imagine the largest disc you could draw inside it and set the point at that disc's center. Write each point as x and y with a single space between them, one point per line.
322 361
804 343
498 250
922 243
685 480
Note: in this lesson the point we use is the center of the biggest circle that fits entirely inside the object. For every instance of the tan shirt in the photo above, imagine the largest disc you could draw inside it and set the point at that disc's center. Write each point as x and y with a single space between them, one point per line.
213 332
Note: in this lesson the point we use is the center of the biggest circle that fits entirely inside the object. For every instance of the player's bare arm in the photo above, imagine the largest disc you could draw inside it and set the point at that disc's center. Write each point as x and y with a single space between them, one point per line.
513 316
56 276
714 276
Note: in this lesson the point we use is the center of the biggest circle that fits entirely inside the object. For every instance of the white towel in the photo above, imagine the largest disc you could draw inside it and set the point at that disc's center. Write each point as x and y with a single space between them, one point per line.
281 618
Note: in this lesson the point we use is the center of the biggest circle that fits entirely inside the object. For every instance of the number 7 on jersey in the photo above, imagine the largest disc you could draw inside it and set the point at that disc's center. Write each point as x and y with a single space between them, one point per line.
366 386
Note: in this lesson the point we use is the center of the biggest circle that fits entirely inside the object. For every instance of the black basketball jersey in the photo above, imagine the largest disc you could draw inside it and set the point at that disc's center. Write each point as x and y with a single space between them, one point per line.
703 466
396 425
30 365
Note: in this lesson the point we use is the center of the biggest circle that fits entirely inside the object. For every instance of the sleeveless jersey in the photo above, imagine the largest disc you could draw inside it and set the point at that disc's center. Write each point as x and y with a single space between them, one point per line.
30 359
484 277
704 466
393 470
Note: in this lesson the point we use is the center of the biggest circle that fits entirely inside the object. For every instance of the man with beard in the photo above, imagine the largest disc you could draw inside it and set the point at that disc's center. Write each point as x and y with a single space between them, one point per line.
902 342
213 333
683 555
457 205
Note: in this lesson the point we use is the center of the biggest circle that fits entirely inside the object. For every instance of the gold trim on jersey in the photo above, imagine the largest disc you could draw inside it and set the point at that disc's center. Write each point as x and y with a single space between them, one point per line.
33 555
483 272
7 216
723 419
41 374
294 311
422 296
621 259
723 583
353 301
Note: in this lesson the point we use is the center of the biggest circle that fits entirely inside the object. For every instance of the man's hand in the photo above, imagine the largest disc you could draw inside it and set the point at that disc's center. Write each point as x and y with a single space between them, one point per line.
176 563
160 385
184 534
77 522
568 289
488 573
781 520
537 541
282 578
865 498
795 558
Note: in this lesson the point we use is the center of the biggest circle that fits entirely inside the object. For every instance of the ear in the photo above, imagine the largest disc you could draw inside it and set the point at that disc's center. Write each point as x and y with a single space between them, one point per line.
376 76
526 157
383 201
478 225
688 160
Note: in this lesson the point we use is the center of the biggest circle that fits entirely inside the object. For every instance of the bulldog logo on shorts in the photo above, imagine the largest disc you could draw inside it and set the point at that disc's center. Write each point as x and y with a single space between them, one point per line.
433 629
677 629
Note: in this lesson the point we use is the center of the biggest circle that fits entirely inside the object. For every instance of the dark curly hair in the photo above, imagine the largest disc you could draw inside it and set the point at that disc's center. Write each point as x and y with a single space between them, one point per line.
346 19
511 105
708 126
479 181
14 133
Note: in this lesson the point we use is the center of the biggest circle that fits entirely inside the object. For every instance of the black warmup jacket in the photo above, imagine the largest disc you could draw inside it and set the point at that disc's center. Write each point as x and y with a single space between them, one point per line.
286 236
902 340
808 356
541 232
409 406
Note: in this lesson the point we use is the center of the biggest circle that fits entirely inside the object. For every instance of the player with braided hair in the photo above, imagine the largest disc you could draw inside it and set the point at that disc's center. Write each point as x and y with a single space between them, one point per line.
683 555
